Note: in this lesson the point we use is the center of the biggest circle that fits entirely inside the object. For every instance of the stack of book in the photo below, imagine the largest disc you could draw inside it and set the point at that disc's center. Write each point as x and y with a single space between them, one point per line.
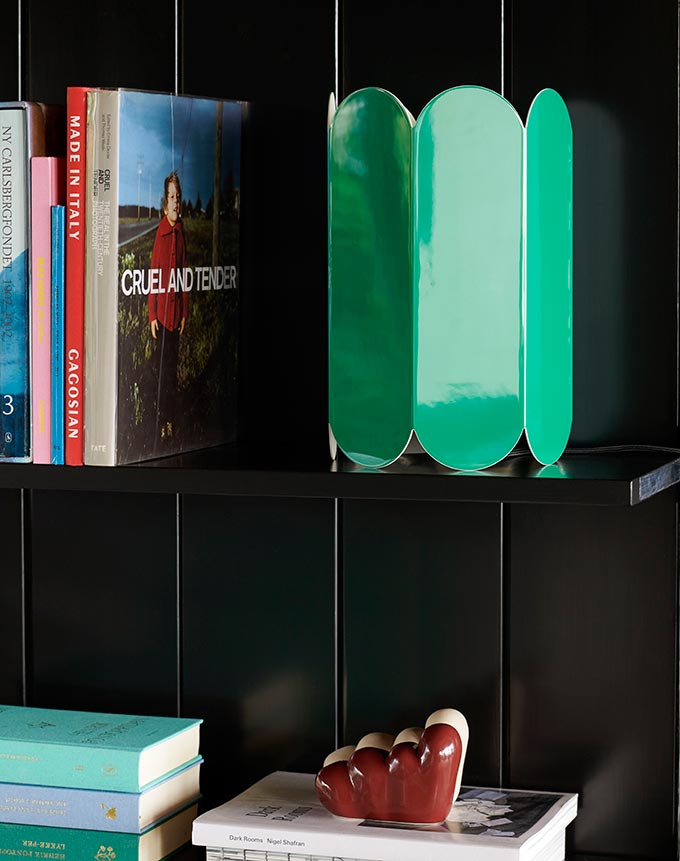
76 785
119 276
280 818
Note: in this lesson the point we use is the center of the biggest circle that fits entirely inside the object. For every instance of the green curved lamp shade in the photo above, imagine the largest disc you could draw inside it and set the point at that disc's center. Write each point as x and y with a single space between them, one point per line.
370 306
450 277
467 275
548 396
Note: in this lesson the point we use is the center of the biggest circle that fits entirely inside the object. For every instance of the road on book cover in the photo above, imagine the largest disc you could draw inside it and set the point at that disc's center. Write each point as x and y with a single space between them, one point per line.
128 232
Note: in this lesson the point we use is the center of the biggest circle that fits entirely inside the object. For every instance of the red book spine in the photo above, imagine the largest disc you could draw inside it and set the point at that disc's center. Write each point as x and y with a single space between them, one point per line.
74 341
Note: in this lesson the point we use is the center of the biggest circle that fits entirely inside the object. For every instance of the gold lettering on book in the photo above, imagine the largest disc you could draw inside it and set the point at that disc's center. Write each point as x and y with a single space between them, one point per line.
111 812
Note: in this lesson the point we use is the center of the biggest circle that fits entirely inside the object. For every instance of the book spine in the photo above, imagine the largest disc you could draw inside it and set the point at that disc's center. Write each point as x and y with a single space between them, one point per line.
75 844
15 417
46 189
80 766
218 853
74 343
101 272
66 844
407 846
58 230
25 804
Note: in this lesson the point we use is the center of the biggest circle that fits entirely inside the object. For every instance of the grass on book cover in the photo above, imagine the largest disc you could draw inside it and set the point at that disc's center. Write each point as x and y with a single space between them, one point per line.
178 259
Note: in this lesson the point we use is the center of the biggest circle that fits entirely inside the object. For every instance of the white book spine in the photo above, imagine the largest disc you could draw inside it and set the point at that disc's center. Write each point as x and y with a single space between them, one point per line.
101 273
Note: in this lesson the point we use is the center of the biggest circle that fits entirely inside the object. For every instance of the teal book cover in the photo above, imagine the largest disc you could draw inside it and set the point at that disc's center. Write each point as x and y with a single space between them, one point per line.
73 844
97 809
57 340
95 750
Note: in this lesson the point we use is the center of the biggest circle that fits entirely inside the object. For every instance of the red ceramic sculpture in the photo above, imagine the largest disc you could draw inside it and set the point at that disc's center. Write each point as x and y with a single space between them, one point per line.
412 778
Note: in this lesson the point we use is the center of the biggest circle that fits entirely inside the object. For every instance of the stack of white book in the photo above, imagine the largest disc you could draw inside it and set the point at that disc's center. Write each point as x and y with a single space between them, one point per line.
280 818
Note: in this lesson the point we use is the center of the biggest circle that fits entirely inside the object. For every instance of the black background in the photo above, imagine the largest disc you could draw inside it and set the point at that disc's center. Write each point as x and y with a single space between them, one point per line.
552 627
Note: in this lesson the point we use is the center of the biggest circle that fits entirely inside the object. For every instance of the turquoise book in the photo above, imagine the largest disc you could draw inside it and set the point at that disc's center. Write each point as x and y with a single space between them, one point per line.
92 750
99 809
73 844
57 340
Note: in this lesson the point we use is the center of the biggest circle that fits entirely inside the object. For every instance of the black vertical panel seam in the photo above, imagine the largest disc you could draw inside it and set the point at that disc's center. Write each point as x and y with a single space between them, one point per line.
26 596
677 225
502 70
340 52
179 77
20 50
180 604
504 627
179 619
676 721
676 703
506 50
339 618
338 557
336 56
504 510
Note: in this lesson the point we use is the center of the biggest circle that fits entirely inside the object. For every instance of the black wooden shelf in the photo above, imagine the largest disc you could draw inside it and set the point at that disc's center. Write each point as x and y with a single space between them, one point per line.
601 478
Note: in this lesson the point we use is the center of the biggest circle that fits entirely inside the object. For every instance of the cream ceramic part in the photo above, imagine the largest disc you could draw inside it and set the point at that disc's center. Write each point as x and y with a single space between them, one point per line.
379 740
457 720
342 754
412 734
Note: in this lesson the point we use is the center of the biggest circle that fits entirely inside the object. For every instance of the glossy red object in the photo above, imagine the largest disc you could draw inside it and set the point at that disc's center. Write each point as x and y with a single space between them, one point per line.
412 783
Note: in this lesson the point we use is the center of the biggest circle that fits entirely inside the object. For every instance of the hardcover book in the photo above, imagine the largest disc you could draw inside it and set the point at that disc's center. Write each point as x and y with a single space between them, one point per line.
47 190
57 345
76 113
97 809
162 274
282 814
74 844
92 750
27 129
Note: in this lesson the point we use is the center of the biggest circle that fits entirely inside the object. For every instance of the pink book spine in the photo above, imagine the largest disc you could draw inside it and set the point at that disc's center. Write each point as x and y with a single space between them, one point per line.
47 188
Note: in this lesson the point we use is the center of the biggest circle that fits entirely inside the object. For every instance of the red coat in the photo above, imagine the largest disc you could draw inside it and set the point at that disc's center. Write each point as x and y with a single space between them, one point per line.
169 252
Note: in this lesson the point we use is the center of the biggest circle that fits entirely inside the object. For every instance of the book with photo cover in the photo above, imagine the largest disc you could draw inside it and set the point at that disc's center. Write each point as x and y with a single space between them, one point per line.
281 813
163 186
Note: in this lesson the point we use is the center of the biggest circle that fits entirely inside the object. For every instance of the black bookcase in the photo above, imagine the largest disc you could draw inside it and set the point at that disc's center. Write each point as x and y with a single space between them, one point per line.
295 604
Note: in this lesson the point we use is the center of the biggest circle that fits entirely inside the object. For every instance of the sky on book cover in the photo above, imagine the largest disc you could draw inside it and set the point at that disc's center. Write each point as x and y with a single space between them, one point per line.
163 132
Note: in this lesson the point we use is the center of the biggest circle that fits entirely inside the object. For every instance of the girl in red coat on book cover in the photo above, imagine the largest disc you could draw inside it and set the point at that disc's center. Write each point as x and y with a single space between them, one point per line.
168 308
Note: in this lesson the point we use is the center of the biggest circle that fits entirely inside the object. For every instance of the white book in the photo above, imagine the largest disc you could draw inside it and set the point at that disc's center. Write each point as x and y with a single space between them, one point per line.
281 817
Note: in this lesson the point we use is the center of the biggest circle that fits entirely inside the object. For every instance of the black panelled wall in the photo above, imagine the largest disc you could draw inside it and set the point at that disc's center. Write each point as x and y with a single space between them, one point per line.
11 597
553 627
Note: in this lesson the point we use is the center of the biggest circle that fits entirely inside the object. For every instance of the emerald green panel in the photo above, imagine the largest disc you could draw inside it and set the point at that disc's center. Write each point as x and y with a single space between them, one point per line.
468 198
548 334
370 301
